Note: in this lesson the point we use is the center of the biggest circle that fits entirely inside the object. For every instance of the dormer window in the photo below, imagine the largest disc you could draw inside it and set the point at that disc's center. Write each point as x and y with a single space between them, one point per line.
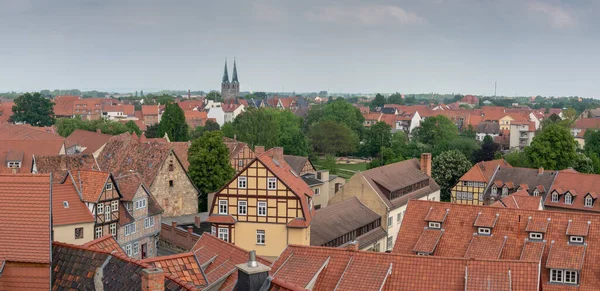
504 191
536 192
484 231
494 190
568 198
14 164
589 202
66 204
435 225
576 239
109 186
554 196
536 236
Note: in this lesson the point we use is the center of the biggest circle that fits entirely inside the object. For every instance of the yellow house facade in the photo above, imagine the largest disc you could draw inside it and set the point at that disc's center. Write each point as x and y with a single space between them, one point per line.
471 186
505 122
265 207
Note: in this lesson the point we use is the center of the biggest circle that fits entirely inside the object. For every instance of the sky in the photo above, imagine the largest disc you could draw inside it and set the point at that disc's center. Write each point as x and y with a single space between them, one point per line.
529 47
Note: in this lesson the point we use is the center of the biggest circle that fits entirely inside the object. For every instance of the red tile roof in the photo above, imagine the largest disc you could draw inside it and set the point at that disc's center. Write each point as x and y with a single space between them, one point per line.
90 140
519 200
483 171
511 223
221 219
569 257
485 247
428 241
150 110
181 150
27 149
19 276
128 185
587 123
64 105
470 99
346 269
575 183
59 166
90 184
106 243
6 110
184 266
74 211
25 218
10 131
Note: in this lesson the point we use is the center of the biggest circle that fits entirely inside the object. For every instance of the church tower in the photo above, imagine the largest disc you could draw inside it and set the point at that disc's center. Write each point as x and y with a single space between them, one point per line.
225 82
230 90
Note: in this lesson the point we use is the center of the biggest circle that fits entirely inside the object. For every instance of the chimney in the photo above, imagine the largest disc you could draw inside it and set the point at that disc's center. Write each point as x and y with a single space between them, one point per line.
277 154
235 137
324 175
426 164
153 279
197 221
174 224
540 171
353 246
190 229
98 130
251 275
189 94
259 150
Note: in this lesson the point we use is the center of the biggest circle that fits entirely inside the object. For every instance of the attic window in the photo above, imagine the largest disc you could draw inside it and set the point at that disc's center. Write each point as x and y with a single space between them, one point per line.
536 192
494 190
576 239
435 225
66 204
171 166
484 230
14 164
109 186
589 202
504 191
554 196
536 235
568 198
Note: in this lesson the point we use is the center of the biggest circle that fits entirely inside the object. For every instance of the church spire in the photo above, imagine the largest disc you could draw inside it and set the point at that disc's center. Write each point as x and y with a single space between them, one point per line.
234 78
225 74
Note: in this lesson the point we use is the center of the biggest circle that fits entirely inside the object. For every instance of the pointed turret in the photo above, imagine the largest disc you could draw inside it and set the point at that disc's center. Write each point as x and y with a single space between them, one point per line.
234 78
225 74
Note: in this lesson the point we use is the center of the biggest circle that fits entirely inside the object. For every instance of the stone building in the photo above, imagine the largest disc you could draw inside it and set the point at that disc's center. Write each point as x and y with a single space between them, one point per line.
230 90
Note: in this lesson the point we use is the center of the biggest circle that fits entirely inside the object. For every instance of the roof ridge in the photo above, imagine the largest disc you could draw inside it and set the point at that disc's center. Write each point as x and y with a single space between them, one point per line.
169 257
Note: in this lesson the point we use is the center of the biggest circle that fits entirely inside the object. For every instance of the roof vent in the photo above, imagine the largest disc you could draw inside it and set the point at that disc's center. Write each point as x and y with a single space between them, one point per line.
66 204
252 260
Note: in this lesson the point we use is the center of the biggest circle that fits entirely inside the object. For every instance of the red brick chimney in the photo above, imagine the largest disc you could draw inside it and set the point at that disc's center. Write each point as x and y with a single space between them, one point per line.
353 246
259 150
426 164
174 224
153 279
190 229
277 154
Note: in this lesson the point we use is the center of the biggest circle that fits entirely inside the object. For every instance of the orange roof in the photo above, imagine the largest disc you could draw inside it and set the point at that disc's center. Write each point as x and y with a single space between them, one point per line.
87 106
511 223
372 115
25 218
27 149
67 208
483 171
6 110
106 243
91 140
181 150
470 99
126 109
64 105
190 104
10 131
149 110
344 269
90 184
195 115
140 124
519 200
184 266
389 119
575 183
587 123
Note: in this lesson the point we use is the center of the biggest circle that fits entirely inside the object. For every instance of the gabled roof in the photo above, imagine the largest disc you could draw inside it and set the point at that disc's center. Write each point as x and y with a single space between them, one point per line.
234 146
150 110
25 218
296 162
75 267
67 208
106 243
488 128
324 268
387 177
129 184
27 149
181 150
59 166
185 266
519 200
91 140
10 131
517 176
64 105
587 123
575 183
339 219
90 184
483 171
510 223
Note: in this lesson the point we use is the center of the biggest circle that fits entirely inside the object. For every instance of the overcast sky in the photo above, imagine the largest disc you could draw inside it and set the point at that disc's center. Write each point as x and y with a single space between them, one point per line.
529 47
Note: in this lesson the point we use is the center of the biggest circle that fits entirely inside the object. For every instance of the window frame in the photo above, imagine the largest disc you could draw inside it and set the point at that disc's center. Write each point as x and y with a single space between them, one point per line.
80 229
553 196
100 208
434 225
224 233
242 204
494 190
149 222
576 239
390 221
109 186
242 182
570 277
261 234
504 191
213 230
536 192
536 236
261 205
98 230
271 180
128 250
136 248
569 196
484 231
225 205
113 229
240 163
114 205
317 191
589 199
389 243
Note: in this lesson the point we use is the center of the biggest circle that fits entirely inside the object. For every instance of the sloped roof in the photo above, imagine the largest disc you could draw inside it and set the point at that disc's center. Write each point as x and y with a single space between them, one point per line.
483 171
387 177
106 243
234 146
90 184
488 128
28 148
574 182
181 150
59 166
184 266
6 110
338 219
74 211
91 140
150 110
10 131
519 200
357 270
64 105
129 184
25 205
587 123
517 176
510 223
470 99
296 162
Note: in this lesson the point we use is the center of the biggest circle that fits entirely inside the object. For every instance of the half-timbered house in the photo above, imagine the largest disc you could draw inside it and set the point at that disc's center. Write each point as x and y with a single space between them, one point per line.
240 154
100 194
265 207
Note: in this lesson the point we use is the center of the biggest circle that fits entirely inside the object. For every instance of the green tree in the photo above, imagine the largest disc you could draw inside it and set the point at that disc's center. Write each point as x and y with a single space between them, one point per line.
214 96
377 136
466 146
152 131
228 130
330 164
343 112
570 115
435 130
33 109
447 168
468 132
488 150
518 158
163 99
553 148
209 166
592 141
398 142
66 126
584 164
257 127
396 98
290 135
173 123
379 101
209 126
385 157
132 127
330 137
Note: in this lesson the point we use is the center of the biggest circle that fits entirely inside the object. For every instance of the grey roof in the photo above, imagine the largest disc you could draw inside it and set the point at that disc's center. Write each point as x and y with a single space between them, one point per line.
518 176
488 127
396 176
388 110
311 180
339 219
369 238
296 162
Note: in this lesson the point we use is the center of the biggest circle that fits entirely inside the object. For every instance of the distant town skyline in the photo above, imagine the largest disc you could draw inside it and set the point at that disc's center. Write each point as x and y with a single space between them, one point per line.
543 47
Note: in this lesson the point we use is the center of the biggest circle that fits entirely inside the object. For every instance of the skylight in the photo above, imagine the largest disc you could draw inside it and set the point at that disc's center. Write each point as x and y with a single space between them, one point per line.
66 204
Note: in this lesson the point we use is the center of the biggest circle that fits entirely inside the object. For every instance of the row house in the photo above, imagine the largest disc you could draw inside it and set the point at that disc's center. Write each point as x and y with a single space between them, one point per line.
267 201
64 106
88 109
520 200
118 112
562 245
471 186
572 191
384 193
72 221
508 180
151 114
140 218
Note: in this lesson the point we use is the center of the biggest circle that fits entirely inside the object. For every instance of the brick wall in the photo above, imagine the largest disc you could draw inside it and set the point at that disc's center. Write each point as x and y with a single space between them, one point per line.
176 238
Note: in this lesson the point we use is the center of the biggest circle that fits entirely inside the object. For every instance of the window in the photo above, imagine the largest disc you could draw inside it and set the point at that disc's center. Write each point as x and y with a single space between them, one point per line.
570 277
108 186
390 242
536 192
262 208
318 206
128 249
589 202
222 206
576 239
399 217
494 190
271 183
130 229
14 164
136 248
484 230
107 214
100 208
113 229
435 225
504 191
317 191
390 221
376 247
98 231
149 222
536 235
260 237
128 205
170 183
242 207
240 163
213 230
114 205
78 232
141 203
171 166
422 254
242 182
224 234
554 196
568 198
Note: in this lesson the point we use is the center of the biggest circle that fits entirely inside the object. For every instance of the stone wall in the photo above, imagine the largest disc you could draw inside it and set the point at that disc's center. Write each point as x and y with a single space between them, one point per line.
176 238
173 189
